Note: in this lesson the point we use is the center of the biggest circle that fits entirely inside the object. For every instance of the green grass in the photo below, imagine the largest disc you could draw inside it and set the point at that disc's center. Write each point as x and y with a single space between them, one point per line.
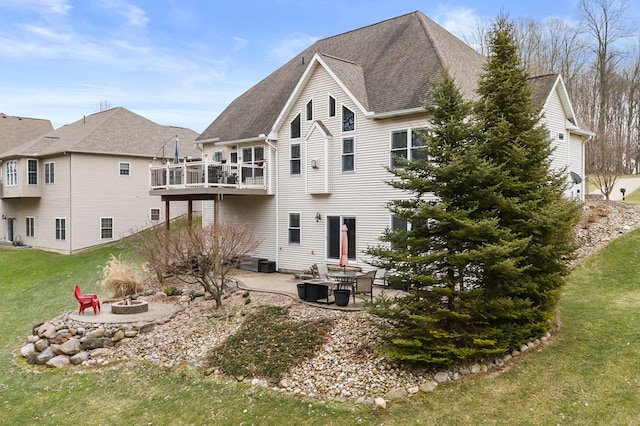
587 375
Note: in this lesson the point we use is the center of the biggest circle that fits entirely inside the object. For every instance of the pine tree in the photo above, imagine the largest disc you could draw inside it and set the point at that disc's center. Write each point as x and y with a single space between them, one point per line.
529 201
490 231
449 246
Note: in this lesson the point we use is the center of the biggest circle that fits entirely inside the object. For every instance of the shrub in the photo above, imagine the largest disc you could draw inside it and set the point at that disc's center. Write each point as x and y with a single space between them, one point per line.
121 279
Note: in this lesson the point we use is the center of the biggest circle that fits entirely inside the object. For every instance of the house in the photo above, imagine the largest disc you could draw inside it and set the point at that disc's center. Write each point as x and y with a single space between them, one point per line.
308 147
86 183
18 130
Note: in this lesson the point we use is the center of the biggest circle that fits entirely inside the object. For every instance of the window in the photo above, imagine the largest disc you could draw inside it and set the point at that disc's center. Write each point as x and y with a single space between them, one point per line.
294 228
31 226
332 106
32 172
310 110
61 228
398 225
155 214
348 155
560 136
125 169
334 234
49 172
348 120
12 173
400 147
295 127
253 161
106 227
295 160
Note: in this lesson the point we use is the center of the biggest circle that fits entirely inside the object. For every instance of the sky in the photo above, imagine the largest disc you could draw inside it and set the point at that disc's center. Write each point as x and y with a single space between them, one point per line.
181 62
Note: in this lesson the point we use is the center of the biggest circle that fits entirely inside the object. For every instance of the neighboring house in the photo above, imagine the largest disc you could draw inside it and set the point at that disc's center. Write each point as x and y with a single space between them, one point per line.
15 131
86 183
306 149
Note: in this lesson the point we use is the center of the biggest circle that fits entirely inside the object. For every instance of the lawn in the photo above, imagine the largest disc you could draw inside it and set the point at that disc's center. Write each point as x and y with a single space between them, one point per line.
586 375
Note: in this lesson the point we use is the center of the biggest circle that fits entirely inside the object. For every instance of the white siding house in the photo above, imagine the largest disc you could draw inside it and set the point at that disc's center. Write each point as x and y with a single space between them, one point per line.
87 183
327 125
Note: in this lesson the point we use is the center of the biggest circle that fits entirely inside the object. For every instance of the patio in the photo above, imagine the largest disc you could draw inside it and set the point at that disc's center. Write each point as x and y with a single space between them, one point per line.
286 284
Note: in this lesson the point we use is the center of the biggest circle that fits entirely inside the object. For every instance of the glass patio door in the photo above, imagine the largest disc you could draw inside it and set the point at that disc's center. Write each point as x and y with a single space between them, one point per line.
334 232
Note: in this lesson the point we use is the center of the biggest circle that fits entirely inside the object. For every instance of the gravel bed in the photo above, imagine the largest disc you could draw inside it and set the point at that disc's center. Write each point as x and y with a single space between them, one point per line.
346 366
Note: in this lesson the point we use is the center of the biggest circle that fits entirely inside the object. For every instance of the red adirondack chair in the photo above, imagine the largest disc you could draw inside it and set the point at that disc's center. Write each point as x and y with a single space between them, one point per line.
87 301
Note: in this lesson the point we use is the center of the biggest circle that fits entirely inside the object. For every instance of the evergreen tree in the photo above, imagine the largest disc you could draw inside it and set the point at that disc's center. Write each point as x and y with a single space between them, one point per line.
448 246
529 200
490 232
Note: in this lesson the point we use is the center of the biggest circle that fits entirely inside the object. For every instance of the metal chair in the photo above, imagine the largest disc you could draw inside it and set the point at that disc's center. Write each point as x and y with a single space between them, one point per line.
364 283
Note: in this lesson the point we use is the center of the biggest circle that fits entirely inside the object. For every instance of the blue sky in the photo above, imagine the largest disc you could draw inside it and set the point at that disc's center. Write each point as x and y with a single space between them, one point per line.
180 62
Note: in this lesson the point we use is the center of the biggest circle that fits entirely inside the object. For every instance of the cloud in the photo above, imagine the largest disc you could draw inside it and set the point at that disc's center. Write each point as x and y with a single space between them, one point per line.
239 43
131 13
58 7
460 21
287 49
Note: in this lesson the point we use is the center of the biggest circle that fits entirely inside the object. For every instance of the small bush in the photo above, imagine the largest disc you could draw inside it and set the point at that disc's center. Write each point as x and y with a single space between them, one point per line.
171 291
121 279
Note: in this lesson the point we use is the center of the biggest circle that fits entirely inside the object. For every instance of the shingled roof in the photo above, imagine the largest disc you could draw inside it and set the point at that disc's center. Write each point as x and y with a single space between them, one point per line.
15 131
116 131
389 64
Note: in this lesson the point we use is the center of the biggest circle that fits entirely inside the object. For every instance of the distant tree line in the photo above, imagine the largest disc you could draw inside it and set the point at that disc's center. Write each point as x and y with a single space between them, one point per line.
598 57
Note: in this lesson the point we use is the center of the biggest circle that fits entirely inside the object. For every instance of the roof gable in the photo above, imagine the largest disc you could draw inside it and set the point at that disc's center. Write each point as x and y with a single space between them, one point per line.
386 66
15 131
115 131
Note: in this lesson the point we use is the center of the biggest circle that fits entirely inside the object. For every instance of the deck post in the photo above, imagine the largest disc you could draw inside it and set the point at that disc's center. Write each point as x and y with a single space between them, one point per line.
167 215
189 213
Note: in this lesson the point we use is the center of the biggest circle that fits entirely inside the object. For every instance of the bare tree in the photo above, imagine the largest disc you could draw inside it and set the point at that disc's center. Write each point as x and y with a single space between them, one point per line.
205 255
606 24
104 105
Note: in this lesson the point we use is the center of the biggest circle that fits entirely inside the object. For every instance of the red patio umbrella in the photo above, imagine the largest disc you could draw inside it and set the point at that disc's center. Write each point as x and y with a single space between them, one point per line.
344 247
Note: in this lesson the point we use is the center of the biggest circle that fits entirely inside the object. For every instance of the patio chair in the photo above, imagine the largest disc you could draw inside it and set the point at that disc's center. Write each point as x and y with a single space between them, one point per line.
323 271
364 283
86 300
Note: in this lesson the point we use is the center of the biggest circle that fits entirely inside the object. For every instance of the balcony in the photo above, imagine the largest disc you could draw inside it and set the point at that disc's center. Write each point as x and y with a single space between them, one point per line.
208 177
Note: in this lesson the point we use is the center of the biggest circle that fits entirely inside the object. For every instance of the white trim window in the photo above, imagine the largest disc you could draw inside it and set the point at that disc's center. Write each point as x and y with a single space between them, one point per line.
154 214
348 119
61 228
12 172
406 144
49 172
294 228
32 171
106 228
124 168
31 226
332 106
309 110
295 127
348 155
295 160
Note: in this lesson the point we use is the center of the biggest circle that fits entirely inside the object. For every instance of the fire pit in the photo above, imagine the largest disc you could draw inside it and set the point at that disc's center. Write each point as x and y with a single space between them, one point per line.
129 306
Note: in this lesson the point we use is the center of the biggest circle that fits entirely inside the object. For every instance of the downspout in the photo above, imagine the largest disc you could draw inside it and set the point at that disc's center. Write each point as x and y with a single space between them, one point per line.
68 228
277 242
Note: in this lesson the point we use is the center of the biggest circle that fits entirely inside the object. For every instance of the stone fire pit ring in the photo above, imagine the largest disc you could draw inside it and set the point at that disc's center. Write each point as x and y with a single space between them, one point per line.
125 307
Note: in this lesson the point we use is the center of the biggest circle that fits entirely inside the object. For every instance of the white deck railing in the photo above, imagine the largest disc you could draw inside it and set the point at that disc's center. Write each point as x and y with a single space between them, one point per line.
207 174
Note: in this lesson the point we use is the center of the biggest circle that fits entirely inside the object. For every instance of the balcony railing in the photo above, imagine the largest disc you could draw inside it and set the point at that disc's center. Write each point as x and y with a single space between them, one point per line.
207 174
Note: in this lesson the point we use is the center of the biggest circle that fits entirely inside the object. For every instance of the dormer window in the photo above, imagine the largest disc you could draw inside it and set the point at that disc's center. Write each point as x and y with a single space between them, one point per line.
310 110
295 127
348 120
